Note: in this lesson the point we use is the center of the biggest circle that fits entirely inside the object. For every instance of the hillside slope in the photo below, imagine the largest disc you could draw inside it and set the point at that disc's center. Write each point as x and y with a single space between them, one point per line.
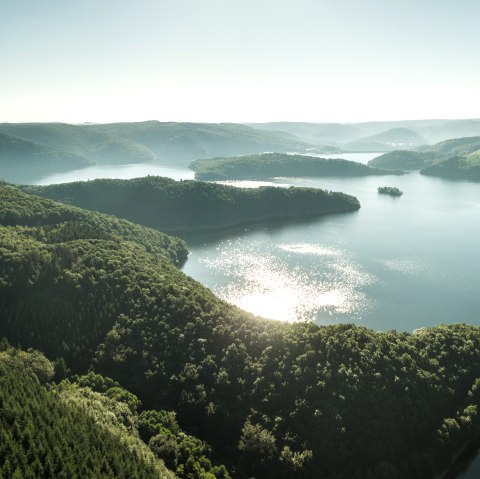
391 139
403 160
181 206
97 146
271 165
173 142
47 433
23 160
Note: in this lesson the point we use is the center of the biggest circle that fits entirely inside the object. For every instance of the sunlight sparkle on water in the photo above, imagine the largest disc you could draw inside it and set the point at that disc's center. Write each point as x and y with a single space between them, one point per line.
266 283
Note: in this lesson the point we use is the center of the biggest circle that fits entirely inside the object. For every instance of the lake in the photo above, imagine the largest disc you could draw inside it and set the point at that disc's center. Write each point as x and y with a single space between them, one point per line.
397 263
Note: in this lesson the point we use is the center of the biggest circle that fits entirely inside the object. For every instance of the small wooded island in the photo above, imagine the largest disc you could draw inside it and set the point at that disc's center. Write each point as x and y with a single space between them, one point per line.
271 165
185 206
389 190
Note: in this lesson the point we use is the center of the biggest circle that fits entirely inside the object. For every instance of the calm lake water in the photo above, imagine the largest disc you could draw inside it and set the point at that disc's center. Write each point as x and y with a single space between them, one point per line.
124 172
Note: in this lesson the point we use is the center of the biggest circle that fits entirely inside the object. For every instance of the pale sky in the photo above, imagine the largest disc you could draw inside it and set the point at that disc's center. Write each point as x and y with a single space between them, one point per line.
238 60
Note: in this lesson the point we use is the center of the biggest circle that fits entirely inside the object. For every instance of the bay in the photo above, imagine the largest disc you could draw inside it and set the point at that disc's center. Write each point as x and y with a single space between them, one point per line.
398 263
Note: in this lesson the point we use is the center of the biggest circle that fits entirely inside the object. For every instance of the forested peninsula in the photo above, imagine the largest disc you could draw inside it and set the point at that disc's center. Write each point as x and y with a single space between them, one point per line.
272 399
456 168
271 165
184 206
456 159
403 160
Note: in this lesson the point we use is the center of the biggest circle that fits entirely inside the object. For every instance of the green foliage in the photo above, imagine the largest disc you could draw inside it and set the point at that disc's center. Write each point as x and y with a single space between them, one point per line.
46 433
403 160
55 223
456 168
270 165
88 142
174 142
389 190
23 160
179 206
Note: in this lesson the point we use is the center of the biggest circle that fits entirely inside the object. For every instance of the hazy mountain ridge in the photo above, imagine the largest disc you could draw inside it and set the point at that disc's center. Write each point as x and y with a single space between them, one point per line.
126 143
91 143
387 140
188 141
339 134
21 158
456 159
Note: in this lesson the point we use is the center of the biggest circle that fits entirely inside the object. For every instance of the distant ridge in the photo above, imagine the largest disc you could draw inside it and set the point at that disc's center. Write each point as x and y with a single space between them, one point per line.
25 159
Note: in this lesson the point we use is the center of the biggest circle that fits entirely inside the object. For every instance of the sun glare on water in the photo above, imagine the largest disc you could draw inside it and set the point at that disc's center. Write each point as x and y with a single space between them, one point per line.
289 282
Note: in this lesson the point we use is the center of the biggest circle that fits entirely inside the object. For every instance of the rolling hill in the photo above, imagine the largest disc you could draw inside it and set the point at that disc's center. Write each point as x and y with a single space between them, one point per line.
23 160
391 139
183 206
173 142
271 165
91 143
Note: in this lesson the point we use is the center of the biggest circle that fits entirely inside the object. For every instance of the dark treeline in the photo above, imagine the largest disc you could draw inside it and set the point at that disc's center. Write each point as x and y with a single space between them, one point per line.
389 190
456 168
457 159
271 165
87 426
178 206
403 160
274 400
55 222
43 435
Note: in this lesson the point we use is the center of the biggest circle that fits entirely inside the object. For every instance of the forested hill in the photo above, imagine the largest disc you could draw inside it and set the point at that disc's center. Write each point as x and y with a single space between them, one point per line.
456 168
139 142
183 142
181 206
275 400
87 427
458 158
22 160
97 146
403 159
270 165
54 222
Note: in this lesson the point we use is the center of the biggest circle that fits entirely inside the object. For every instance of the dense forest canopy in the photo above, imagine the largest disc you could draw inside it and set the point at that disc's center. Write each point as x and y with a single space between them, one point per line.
56 222
456 168
23 160
389 190
270 165
179 206
403 159
87 426
458 158
274 400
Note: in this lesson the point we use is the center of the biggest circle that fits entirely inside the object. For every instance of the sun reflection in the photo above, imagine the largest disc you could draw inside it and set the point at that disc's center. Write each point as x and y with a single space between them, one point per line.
310 282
